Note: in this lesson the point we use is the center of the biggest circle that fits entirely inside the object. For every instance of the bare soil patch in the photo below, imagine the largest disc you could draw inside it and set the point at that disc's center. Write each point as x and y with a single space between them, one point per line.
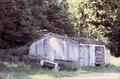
96 76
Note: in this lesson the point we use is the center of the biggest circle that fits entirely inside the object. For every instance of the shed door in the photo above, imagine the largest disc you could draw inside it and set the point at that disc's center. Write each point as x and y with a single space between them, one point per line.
84 56
99 54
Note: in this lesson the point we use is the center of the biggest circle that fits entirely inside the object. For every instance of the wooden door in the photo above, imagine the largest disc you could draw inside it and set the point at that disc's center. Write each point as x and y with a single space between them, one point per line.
99 56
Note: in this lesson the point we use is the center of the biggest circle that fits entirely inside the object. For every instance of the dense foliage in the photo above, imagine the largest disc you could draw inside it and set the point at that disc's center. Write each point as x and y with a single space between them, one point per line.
22 21
108 13
107 17
100 19
15 24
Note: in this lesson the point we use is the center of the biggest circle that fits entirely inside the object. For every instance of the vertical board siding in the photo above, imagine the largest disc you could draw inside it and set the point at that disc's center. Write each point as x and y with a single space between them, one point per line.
55 47
70 51
81 55
65 49
107 56
92 55
84 55
76 52
40 48
51 51
46 50
32 49
52 46
73 51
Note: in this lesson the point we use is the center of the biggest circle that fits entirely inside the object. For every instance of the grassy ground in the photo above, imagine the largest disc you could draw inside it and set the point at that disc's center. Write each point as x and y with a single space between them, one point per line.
21 71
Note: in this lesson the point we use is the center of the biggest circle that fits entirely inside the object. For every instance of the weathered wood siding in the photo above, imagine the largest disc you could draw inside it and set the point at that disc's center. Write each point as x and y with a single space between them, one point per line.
87 55
53 47
107 56
92 55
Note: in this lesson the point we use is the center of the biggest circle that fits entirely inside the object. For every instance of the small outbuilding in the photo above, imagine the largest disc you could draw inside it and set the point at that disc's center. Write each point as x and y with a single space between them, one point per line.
85 52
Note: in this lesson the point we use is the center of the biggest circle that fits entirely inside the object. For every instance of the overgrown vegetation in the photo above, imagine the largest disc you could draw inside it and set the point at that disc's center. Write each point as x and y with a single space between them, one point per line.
23 71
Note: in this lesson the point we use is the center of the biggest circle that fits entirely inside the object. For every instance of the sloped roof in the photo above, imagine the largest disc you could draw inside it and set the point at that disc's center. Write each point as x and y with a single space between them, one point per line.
83 40
80 40
60 36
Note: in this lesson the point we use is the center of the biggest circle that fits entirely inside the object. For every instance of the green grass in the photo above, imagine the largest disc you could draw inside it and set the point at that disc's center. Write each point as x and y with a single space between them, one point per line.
22 71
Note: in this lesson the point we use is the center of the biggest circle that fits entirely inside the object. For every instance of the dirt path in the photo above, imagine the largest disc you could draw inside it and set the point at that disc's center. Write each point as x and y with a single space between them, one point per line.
97 76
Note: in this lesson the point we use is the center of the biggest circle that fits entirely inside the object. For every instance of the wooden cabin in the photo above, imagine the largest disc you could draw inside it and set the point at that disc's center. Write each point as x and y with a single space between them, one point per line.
85 52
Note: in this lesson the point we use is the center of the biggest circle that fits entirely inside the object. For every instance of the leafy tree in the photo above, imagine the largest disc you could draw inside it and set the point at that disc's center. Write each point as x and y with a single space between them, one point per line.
106 19
82 12
22 21
100 18
15 24
108 14
52 16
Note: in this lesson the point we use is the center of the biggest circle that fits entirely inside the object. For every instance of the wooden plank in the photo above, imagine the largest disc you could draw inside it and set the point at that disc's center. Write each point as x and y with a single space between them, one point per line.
49 64
81 55
107 56
40 48
32 49
86 55
73 50
92 55
65 49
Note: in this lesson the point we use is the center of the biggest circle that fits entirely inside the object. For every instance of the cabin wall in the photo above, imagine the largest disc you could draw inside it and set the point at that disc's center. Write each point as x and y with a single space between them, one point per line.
55 47
32 49
52 47
41 49
92 55
72 50
107 56
87 55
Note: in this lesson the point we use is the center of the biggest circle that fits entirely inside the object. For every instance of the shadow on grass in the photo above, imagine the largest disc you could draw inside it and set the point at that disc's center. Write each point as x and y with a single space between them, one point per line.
22 71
